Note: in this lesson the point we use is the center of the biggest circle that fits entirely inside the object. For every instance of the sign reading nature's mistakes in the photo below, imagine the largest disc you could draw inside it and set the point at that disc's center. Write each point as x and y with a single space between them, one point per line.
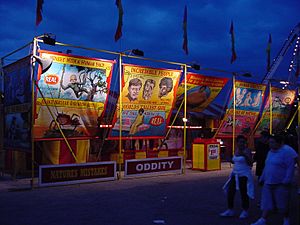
65 174
151 166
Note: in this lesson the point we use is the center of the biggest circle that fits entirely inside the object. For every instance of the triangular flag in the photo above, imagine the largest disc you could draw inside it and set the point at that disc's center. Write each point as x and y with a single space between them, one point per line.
269 53
39 10
185 40
233 53
118 33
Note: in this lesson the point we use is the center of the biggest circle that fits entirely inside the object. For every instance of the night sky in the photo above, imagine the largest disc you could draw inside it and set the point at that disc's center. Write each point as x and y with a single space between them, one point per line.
156 28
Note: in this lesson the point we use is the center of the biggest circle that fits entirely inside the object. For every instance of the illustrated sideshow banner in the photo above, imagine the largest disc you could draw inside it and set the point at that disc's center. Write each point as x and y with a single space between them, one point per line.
148 96
75 89
17 105
201 91
249 98
282 101
17 85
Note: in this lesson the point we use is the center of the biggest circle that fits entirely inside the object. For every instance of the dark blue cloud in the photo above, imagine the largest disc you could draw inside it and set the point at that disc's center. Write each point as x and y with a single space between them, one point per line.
156 27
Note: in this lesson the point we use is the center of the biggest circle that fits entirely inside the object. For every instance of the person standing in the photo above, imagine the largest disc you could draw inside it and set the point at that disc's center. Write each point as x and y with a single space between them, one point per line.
277 178
240 179
261 152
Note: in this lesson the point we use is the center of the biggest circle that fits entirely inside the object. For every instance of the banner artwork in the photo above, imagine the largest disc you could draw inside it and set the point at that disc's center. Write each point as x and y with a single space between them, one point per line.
248 102
148 96
75 89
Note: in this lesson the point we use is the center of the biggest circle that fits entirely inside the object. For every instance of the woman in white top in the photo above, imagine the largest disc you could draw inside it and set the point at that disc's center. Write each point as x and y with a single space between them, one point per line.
240 179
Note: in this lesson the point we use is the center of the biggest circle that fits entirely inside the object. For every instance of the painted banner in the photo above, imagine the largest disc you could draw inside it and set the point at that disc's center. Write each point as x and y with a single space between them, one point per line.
249 98
17 105
75 89
17 82
201 91
282 101
148 96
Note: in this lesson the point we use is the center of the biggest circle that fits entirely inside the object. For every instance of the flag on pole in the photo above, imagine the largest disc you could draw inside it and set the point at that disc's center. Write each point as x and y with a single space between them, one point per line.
118 33
233 53
185 41
269 53
39 10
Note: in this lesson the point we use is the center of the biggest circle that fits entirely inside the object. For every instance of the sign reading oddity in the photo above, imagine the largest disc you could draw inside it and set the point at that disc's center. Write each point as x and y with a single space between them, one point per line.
153 166
52 175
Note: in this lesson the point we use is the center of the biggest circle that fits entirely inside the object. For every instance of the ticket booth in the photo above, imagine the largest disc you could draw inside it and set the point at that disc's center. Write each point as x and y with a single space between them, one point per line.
206 154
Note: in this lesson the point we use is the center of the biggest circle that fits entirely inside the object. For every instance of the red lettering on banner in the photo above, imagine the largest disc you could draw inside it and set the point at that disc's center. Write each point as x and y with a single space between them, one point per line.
156 120
51 79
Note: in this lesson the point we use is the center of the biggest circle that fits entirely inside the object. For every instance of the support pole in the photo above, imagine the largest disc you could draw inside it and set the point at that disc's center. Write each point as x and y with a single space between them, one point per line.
298 106
233 118
32 111
120 115
292 119
271 108
298 141
185 120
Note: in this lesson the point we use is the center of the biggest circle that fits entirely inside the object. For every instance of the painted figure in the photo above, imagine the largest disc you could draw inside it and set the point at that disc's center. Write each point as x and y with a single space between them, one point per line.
165 86
198 97
248 100
277 103
134 88
256 99
240 96
139 120
148 89
75 85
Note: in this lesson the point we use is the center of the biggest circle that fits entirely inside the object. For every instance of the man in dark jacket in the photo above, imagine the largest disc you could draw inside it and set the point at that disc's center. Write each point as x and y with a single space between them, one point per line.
261 152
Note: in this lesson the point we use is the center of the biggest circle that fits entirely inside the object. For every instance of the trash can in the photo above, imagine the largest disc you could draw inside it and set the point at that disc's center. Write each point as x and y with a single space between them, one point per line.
206 154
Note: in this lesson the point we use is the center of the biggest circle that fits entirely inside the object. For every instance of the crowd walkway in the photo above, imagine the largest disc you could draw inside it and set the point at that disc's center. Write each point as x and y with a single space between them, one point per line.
195 198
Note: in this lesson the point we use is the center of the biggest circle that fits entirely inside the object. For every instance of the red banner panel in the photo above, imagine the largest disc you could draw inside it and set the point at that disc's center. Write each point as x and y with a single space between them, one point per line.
201 91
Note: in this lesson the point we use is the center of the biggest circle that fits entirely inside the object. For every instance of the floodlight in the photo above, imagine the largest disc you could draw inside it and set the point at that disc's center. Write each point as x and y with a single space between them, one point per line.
195 66
49 39
137 52
246 75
